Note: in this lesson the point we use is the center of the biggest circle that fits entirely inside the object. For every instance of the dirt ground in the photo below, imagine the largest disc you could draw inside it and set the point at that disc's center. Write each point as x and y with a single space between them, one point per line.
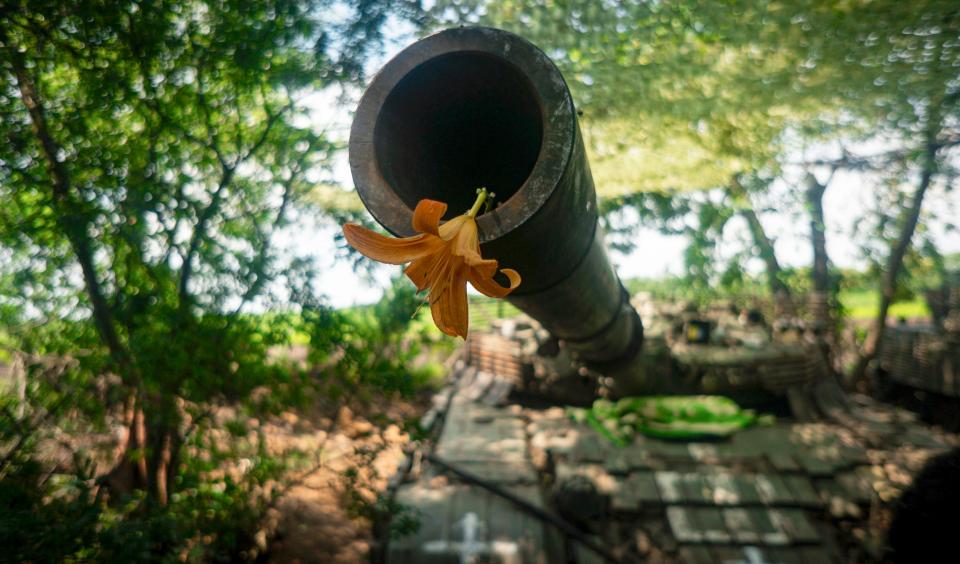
352 450
313 521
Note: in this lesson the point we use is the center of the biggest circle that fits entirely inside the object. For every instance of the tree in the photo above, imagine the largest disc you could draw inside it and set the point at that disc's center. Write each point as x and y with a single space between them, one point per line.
898 68
764 244
675 96
150 152
739 88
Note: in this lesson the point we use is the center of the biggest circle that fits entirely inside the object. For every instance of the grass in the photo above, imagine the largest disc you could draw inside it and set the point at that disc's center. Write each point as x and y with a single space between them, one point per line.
864 304
858 304
484 310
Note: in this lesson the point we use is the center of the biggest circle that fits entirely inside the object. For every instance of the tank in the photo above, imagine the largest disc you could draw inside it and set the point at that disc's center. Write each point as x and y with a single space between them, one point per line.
924 360
471 107
504 472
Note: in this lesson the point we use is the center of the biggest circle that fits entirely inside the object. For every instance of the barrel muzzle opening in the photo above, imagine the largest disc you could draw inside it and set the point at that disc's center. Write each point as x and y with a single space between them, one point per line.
455 123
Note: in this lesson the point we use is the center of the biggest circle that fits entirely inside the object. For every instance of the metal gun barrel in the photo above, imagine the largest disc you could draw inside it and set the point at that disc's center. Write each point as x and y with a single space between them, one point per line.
472 107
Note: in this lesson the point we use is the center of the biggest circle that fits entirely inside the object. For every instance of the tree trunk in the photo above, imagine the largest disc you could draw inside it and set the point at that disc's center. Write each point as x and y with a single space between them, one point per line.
818 235
765 248
128 473
165 441
820 273
822 300
70 219
894 264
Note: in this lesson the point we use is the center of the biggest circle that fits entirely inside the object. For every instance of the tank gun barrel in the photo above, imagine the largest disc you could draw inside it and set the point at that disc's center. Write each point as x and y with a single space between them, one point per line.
471 107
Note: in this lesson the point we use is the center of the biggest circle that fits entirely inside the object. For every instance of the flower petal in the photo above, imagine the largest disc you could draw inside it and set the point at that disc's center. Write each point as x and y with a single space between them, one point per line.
388 249
451 229
418 271
484 267
487 286
449 309
466 239
426 218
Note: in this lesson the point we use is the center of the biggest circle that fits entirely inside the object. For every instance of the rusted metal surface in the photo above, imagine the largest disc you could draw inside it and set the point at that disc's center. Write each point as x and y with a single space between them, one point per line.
791 492
472 107
927 357
494 353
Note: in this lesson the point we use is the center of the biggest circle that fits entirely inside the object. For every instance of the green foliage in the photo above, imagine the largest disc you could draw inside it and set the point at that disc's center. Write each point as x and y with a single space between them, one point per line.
684 96
371 348
151 152
42 522
226 479
47 517
864 305
666 417
676 96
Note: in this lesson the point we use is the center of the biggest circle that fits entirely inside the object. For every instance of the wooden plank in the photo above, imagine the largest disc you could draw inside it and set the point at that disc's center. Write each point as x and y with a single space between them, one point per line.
815 466
498 392
858 489
696 489
682 525
432 516
467 435
743 555
795 523
499 529
783 555
770 532
802 490
772 489
748 491
637 456
490 442
854 455
740 525
695 554
644 487
724 488
783 462
476 387
627 460
704 453
837 499
670 486
624 498
506 472
506 523
710 522
674 452
590 447
617 463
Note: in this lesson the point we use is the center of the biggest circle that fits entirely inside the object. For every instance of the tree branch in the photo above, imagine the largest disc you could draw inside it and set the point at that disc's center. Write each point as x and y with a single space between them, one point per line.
69 216
259 274
200 232
764 244
894 264
878 161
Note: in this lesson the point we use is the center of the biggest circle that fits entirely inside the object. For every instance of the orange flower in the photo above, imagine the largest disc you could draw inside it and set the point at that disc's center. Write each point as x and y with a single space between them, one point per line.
443 258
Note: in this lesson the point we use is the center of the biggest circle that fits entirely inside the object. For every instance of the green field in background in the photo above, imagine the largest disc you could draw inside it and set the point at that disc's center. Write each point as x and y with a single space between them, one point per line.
863 304
858 304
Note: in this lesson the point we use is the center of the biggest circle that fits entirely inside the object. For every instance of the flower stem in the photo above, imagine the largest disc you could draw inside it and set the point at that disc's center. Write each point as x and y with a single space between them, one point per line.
481 197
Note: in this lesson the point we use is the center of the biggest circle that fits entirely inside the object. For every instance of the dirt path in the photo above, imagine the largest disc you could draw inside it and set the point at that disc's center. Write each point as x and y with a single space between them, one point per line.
317 520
